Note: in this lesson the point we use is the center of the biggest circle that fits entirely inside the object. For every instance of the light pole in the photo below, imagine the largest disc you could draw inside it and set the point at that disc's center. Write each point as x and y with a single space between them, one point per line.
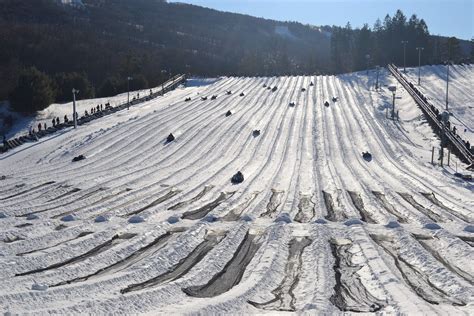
162 83
368 60
419 49
74 116
394 90
377 80
447 86
404 56
128 92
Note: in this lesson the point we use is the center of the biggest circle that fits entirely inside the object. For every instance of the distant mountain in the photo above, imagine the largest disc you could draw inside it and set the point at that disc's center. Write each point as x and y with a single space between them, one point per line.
109 40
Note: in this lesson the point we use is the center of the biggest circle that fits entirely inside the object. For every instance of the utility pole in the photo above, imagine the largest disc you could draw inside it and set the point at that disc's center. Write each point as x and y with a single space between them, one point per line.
447 85
163 83
419 49
128 92
368 60
74 116
404 56
377 80
394 90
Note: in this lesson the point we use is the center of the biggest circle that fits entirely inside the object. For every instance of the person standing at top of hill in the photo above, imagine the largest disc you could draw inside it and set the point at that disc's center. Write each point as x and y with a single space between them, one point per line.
39 127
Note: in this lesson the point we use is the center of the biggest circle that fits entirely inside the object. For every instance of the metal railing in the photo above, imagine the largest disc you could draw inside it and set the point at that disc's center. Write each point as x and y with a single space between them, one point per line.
456 144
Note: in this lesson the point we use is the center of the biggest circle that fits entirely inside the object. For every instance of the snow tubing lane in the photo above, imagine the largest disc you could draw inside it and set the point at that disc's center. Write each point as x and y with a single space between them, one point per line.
206 189
135 257
237 212
438 256
180 269
105 198
284 297
94 251
82 234
231 274
418 281
272 206
429 213
332 215
26 191
305 209
161 199
204 210
359 205
350 294
389 207
65 194
65 204
433 199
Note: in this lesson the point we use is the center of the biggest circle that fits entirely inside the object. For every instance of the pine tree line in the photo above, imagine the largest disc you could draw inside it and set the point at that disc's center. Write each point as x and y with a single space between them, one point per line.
357 49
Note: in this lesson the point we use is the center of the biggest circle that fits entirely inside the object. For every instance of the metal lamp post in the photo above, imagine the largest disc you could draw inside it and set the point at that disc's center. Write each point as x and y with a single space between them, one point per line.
162 83
377 80
447 85
368 60
419 49
128 92
74 116
394 90
404 56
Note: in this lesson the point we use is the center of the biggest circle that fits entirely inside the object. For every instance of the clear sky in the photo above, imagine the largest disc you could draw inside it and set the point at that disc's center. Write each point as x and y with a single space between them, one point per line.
444 17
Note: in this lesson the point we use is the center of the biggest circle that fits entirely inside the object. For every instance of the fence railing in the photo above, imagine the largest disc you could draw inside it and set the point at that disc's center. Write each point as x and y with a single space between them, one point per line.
453 140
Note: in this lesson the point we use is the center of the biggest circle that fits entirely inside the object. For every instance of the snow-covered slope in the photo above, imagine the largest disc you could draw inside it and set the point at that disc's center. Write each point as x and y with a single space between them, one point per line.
460 97
146 226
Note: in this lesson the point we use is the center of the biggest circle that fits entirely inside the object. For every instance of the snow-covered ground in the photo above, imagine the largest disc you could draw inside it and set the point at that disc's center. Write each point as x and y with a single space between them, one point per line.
146 226
460 96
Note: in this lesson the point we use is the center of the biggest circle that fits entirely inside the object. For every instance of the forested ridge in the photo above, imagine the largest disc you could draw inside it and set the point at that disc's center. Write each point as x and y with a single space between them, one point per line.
98 44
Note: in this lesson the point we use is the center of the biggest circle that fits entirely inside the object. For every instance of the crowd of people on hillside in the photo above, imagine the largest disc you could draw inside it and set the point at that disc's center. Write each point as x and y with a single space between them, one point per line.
439 117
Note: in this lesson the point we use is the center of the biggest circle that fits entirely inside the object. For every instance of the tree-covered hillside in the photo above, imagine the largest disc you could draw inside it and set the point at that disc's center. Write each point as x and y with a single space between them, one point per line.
99 43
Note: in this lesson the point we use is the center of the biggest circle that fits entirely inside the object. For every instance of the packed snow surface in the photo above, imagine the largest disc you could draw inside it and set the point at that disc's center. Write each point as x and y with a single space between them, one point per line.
146 226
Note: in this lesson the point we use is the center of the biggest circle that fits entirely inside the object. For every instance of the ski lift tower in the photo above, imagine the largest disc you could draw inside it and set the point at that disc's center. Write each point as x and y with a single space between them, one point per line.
394 90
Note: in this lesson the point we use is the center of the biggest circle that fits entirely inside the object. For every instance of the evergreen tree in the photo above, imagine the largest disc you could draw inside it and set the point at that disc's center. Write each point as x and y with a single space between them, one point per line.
34 91
65 82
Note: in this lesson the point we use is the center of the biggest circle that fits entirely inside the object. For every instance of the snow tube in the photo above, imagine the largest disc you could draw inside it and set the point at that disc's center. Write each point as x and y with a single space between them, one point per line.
256 133
229 113
237 178
170 138
78 158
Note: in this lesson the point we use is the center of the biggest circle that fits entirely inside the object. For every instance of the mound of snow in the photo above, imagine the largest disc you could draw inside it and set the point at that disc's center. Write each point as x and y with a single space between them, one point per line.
210 218
39 287
173 219
32 217
432 226
283 218
320 221
392 224
101 219
469 229
68 218
353 221
135 219
247 218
